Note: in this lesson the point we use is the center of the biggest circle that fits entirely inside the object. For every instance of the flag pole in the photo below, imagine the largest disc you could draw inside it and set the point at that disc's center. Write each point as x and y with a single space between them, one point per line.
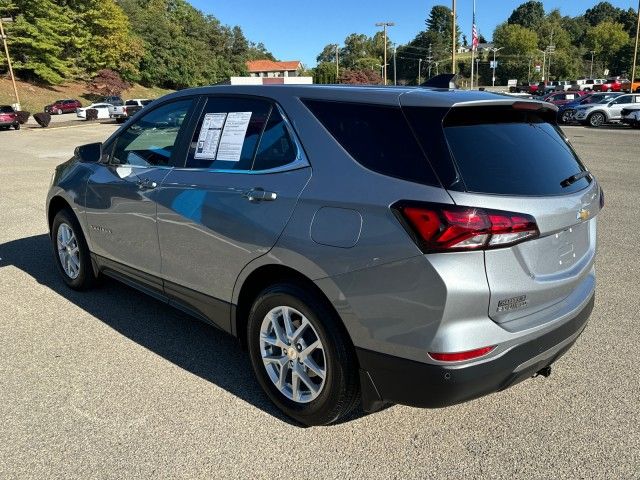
473 43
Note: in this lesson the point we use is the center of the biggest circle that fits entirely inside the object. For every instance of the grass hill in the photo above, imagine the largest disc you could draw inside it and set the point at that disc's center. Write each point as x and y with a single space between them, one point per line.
33 98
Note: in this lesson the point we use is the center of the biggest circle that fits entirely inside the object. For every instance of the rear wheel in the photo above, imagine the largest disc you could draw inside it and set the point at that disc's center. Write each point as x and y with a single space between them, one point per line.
596 119
566 116
301 356
17 126
59 112
70 251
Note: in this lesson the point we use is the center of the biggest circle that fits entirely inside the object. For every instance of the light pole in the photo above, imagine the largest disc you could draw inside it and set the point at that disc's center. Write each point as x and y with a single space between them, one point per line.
544 62
591 72
494 50
635 50
337 62
384 26
6 50
478 71
395 76
419 70
453 37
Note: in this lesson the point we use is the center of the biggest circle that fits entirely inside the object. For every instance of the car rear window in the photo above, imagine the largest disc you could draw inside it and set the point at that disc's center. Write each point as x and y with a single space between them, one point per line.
506 151
6 109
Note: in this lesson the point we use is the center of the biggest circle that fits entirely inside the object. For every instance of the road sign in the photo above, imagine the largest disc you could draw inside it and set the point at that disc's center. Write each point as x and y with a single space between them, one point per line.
493 63
538 68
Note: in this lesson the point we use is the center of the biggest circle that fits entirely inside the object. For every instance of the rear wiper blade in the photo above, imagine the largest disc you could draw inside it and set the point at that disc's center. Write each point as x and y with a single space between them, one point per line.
574 178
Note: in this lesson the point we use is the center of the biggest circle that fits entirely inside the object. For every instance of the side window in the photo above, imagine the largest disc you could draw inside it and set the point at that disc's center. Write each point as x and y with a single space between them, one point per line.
276 147
227 133
150 140
622 100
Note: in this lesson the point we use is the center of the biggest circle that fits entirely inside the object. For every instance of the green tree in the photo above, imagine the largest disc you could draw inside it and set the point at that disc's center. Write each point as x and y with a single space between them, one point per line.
328 53
325 72
528 15
515 39
607 39
602 12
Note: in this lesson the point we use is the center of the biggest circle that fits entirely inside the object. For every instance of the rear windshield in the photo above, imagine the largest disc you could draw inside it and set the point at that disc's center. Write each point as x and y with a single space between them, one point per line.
500 150
6 109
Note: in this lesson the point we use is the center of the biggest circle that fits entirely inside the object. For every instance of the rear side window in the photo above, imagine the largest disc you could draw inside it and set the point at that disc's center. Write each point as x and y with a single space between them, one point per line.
377 137
6 109
501 150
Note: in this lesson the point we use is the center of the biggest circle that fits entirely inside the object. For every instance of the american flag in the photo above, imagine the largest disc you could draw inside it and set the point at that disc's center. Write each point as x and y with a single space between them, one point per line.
474 30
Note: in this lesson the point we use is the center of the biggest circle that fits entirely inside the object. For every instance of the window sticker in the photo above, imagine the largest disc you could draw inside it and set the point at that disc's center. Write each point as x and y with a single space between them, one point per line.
209 137
235 129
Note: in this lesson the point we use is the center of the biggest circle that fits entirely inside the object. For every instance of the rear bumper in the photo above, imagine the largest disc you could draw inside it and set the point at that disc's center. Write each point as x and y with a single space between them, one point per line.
389 379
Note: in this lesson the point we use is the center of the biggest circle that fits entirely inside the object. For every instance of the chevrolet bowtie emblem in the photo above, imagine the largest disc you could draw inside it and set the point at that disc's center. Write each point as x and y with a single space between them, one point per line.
583 214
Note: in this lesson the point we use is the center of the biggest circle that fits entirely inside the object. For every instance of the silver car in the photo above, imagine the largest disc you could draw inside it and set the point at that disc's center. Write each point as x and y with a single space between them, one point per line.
606 110
367 246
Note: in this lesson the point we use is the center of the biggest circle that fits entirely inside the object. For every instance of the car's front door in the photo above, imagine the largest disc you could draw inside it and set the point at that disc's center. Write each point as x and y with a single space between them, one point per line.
229 204
120 200
616 106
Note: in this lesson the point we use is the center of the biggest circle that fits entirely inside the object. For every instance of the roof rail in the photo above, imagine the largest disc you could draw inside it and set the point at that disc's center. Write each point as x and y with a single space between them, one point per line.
444 80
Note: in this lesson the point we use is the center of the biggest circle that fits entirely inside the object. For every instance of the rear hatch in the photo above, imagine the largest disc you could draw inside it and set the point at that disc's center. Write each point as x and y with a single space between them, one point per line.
510 156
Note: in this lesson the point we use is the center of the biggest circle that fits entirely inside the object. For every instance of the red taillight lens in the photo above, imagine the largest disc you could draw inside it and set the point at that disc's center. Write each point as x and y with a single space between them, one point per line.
459 356
441 228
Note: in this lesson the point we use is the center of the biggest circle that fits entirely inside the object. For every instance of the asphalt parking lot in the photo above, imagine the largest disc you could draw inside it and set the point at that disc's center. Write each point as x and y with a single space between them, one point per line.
112 384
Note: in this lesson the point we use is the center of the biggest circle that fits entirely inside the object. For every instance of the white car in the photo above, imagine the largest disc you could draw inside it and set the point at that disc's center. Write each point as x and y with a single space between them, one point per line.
102 108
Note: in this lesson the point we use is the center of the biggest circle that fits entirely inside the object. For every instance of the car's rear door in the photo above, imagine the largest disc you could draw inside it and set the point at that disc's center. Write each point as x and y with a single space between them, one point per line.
121 194
517 160
230 201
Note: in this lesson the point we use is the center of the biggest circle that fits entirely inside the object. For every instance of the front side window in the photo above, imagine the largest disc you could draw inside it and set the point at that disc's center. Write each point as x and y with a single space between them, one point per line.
623 99
150 140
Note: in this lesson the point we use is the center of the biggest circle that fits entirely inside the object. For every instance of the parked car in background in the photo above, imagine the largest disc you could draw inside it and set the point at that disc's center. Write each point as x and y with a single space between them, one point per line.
590 83
634 87
130 107
465 266
530 88
631 116
606 111
8 118
560 98
63 106
562 85
611 85
112 100
102 108
566 111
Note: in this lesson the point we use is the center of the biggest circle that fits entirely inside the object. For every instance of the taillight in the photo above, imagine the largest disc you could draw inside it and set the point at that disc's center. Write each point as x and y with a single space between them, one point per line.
446 228
459 356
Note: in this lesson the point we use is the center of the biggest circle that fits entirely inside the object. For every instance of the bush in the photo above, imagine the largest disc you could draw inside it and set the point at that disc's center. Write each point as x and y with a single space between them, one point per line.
92 114
23 116
107 82
43 119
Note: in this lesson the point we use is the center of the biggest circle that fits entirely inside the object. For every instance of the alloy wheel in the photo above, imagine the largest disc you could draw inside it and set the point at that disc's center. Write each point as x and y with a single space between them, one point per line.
596 119
293 354
68 251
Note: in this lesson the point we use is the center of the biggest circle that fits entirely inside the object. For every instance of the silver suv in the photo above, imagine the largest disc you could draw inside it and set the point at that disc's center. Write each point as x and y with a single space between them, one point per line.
366 245
606 110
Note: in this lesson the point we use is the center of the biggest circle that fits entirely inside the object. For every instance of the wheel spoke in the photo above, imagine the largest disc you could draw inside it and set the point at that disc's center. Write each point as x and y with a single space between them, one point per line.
303 325
309 350
302 375
277 329
282 376
288 323
311 364
295 385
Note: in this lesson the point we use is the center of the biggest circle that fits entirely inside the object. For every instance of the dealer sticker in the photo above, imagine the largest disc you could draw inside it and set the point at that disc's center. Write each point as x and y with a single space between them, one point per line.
512 303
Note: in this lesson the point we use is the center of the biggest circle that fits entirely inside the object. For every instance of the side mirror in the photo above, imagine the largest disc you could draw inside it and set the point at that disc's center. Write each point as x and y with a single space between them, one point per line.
89 153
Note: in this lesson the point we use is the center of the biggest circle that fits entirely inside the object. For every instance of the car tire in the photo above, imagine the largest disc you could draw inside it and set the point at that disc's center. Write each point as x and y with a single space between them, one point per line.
17 126
70 252
596 119
316 400
566 116
59 112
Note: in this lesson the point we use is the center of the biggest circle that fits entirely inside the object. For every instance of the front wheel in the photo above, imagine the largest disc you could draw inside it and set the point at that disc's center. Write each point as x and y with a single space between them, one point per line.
566 116
301 355
70 251
17 126
596 119
59 112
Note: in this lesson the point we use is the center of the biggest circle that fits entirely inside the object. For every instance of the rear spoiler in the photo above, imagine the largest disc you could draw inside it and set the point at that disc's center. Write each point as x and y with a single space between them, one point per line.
444 80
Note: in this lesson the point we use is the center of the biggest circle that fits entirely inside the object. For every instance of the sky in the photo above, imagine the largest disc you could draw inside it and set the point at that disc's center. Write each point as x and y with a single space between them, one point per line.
299 29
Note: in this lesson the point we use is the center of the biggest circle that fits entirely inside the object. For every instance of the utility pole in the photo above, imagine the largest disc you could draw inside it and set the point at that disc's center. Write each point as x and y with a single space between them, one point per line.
429 59
395 76
384 26
478 71
552 49
453 37
6 50
591 72
337 62
419 70
635 50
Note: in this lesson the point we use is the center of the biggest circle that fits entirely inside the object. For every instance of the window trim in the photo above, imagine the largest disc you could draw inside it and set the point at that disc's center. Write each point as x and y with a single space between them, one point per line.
300 161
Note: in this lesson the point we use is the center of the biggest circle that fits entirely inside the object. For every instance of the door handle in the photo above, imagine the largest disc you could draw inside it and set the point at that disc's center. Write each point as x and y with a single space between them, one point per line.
259 194
146 184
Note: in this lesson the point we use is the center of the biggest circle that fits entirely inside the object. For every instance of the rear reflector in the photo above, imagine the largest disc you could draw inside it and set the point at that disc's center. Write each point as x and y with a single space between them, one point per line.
445 228
459 356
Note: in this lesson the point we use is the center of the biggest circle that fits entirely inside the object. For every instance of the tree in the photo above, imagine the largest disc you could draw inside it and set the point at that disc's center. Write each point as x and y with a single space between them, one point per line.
325 72
360 77
607 39
107 82
602 12
515 39
528 15
328 53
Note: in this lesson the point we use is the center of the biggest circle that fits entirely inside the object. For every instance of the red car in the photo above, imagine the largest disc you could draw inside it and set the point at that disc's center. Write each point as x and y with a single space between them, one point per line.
8 118
612 85
63 106
560 98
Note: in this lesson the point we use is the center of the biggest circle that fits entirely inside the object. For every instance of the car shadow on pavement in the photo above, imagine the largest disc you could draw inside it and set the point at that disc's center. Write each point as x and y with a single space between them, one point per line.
188 343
